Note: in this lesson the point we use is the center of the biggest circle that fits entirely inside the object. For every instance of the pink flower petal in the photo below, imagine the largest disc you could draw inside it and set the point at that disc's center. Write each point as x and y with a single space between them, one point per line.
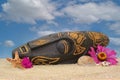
108 50
93 55
103 49
99 48
26 63
112 53
113 61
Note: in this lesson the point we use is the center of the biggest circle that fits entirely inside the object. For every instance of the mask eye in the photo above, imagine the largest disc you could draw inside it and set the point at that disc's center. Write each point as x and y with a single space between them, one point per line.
24 49
64 46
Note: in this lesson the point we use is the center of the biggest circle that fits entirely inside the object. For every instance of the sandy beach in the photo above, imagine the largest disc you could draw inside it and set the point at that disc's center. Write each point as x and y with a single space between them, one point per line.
59 72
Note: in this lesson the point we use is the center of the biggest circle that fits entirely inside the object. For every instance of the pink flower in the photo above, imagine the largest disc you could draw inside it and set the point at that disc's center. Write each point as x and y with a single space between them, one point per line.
26 63
103 54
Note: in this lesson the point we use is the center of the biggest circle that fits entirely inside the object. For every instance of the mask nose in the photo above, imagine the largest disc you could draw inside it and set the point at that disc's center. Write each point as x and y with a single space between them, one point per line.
13 52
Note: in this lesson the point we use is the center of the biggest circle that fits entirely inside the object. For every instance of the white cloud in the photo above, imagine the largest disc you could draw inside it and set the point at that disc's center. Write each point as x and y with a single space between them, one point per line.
45 30
115 27
9 43
115 41
93 0
29 11
115 44
43 33
93 12
41 28
53 22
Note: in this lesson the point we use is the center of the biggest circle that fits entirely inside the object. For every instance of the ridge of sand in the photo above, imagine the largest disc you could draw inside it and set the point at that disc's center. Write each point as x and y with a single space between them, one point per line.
59 72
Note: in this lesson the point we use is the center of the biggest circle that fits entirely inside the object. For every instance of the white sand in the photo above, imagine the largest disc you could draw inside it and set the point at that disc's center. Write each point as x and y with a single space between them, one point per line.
59 72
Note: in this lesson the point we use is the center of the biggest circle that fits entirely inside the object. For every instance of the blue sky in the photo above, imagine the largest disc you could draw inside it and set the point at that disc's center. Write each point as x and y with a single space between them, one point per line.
25 20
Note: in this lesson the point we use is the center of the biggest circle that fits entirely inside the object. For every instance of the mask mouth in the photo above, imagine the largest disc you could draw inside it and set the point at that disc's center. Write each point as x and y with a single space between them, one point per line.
107 40
104 41
98 38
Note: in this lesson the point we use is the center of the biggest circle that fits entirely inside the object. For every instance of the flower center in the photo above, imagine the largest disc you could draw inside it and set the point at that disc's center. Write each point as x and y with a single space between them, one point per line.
102 56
